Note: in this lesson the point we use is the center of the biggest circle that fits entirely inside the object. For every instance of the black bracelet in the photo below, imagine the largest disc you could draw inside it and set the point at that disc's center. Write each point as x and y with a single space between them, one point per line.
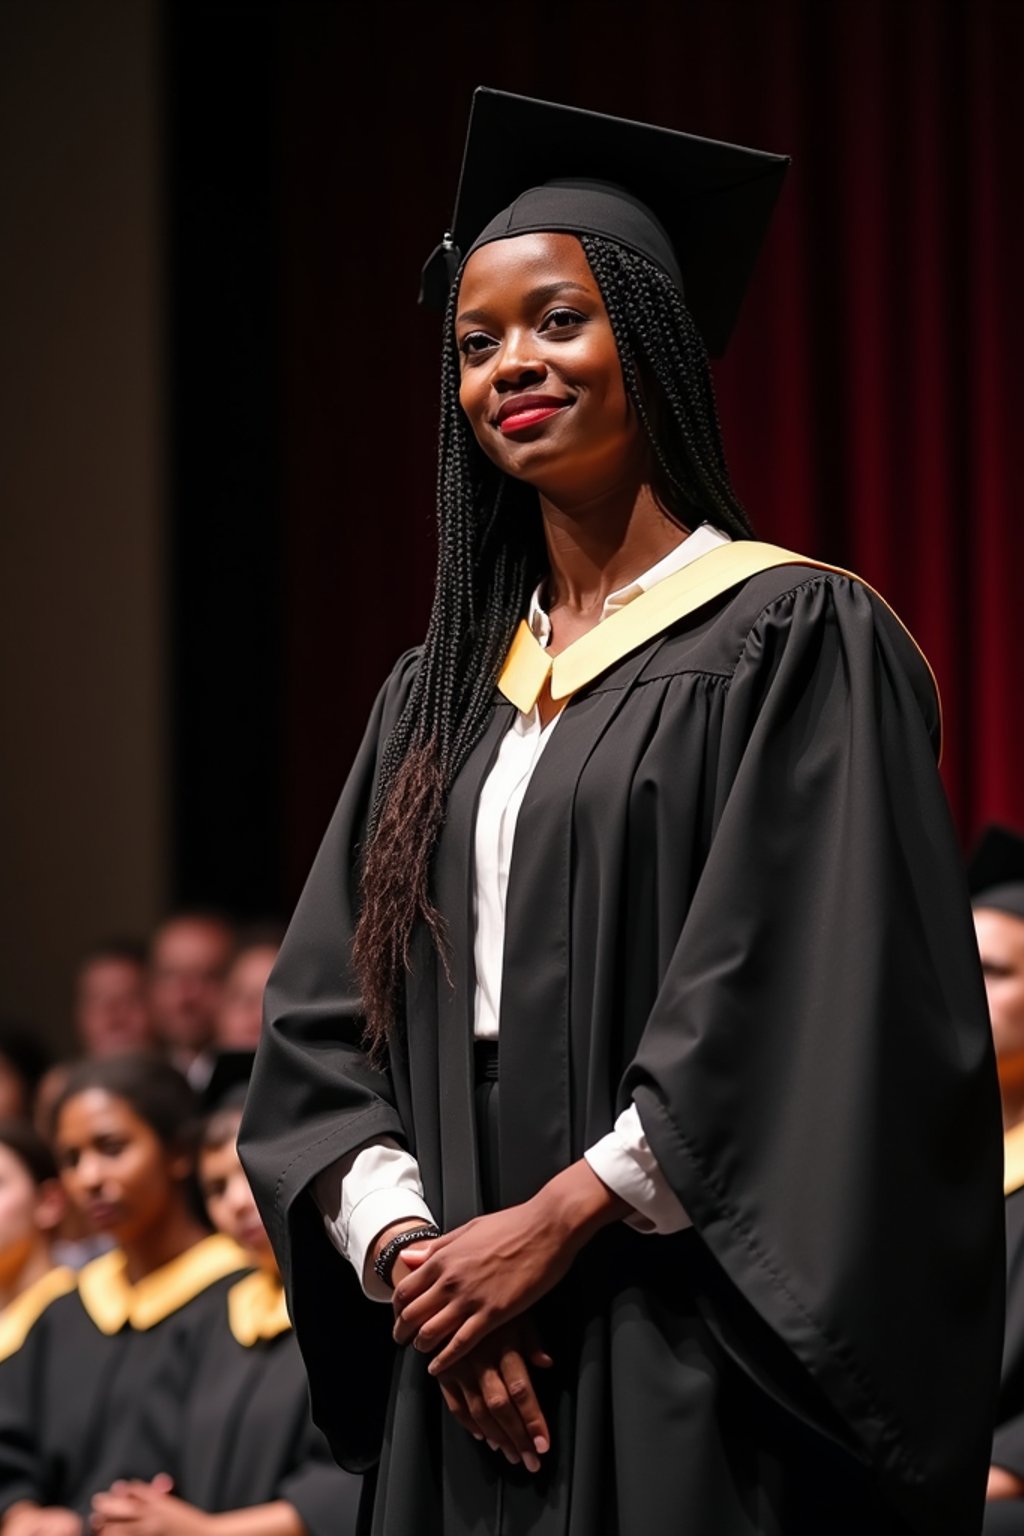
384 1263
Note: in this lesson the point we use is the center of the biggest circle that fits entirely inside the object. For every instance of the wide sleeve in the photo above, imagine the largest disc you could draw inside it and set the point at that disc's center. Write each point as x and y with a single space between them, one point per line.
315 1097
816 1078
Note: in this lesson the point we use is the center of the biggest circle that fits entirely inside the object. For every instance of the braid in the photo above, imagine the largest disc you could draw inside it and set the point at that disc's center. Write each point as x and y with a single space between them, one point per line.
490 557
660 346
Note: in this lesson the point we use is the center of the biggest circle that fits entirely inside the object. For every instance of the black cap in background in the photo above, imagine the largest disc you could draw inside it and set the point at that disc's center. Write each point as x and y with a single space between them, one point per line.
697 207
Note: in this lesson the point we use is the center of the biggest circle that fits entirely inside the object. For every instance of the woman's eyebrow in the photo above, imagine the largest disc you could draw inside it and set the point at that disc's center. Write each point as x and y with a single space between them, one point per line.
539 295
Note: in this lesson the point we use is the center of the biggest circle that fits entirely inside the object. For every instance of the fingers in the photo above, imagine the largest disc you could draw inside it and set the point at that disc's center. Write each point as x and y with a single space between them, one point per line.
460 1343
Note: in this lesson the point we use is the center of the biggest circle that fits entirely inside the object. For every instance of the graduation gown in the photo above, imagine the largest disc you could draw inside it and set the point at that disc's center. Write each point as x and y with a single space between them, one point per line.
735 897
247 1436
94 1391
1007 1515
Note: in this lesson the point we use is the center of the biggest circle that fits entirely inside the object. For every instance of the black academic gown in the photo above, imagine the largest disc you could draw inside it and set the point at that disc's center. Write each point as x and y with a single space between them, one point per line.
247 1435
1005 1517
89 1398
735 897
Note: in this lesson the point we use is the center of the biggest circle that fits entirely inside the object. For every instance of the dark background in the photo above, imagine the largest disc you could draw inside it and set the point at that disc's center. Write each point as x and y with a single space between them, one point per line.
304 162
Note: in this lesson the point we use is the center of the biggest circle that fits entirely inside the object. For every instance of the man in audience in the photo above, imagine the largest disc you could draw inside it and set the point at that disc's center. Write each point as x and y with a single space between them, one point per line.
111 1008
189 959
240 1016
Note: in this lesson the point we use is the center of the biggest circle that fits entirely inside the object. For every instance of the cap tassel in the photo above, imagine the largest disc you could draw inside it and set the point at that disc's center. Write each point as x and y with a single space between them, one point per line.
439 273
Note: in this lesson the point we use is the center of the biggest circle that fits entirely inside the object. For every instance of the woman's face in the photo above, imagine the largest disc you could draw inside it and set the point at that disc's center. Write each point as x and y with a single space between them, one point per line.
19 1198
229 1200
541 383
1001 946
114 1167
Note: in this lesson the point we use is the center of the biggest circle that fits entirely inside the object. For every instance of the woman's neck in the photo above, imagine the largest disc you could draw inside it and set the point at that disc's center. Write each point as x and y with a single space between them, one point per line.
598 547
26 1270
170 1237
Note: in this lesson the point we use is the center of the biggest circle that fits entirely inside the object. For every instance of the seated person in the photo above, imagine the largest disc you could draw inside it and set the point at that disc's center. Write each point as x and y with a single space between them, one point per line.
31 1205
247 1443
240 1015
92 1394
997 885
111 1003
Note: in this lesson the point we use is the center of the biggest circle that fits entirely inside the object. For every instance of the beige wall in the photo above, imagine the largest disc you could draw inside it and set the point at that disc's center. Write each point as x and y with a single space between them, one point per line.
82 802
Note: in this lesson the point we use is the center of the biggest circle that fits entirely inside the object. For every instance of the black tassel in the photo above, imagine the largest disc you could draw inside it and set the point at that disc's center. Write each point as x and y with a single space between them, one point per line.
439 273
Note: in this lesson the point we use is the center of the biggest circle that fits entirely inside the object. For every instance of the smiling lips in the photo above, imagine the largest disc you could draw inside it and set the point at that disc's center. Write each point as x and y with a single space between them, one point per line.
528 411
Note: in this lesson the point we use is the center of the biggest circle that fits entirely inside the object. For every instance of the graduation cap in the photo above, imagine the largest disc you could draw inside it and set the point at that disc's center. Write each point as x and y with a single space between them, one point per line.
229 1081
995 871
697 207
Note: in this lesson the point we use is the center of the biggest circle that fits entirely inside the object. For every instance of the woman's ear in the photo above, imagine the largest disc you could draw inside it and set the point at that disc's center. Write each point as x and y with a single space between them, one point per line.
51 1205
181 1164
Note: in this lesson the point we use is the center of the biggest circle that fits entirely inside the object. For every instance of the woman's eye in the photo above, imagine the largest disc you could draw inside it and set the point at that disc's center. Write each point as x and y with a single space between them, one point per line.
560 319
475 341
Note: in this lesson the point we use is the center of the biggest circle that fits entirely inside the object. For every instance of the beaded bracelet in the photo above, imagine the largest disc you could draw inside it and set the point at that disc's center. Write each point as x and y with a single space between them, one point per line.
384 1263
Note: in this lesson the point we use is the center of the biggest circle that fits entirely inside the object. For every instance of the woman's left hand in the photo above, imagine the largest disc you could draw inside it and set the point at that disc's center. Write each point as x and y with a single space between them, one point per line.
470 1281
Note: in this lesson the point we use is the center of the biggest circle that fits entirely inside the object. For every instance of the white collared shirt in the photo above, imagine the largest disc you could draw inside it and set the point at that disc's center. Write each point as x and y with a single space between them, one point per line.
379 1183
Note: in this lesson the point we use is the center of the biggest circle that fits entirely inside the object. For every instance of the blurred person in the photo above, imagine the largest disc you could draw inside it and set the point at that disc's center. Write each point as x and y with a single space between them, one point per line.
189 958
997 885
74 1241
240 1016
248 1444
23 1062
31 1205
111 1005
92 1394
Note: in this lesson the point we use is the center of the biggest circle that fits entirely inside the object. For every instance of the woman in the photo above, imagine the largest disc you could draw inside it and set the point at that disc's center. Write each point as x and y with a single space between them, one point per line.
93 1393
691 865
247 1447
31 1207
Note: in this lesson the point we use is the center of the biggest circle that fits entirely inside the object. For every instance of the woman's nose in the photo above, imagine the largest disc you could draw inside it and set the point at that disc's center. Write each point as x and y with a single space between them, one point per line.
518 362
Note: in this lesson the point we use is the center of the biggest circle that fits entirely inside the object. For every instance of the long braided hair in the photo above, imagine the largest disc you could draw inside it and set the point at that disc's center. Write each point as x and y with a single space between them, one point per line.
491 555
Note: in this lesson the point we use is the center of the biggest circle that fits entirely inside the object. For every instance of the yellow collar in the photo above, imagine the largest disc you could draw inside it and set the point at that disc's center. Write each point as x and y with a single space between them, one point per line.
18 1316
256 1308
1013 1159
114 1303
528 666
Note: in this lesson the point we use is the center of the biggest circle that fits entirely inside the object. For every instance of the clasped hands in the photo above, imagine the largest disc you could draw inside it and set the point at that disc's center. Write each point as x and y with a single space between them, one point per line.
465 1298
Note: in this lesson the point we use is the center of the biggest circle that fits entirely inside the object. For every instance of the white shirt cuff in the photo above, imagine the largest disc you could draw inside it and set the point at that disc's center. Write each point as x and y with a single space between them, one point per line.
362 1193
624 1161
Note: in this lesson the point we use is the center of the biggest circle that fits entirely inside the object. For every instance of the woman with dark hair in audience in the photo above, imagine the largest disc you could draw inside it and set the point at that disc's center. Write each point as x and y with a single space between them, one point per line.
92 1394
249 1460
31 1205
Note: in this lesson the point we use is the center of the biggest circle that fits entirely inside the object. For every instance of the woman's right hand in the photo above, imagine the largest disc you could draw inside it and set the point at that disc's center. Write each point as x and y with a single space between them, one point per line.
28 1519
490 1393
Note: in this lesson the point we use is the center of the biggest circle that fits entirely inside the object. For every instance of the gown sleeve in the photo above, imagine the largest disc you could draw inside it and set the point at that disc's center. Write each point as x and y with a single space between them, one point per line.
314 1097
816 1078
21 1471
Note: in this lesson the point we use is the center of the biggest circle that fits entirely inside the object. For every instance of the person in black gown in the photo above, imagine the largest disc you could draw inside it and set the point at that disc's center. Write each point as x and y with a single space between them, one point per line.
93 1393
997 883
31 1206
246 1447
622 1029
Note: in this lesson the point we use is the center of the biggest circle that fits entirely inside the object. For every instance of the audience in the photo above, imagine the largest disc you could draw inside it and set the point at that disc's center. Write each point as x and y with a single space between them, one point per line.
94 1392
247 1442
189 959
997 885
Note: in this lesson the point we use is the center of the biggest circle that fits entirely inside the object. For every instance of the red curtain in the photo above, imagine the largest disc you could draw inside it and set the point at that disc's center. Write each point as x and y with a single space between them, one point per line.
871 396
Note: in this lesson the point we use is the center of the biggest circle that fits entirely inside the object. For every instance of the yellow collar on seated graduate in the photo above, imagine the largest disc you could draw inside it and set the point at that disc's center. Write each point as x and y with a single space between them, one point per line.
1013 1159
18 1316
528 666
256 1308
113 1302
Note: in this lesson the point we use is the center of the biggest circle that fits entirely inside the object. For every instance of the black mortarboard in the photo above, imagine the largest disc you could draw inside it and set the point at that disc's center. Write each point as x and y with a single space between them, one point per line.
696 207
229 1081
995 871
